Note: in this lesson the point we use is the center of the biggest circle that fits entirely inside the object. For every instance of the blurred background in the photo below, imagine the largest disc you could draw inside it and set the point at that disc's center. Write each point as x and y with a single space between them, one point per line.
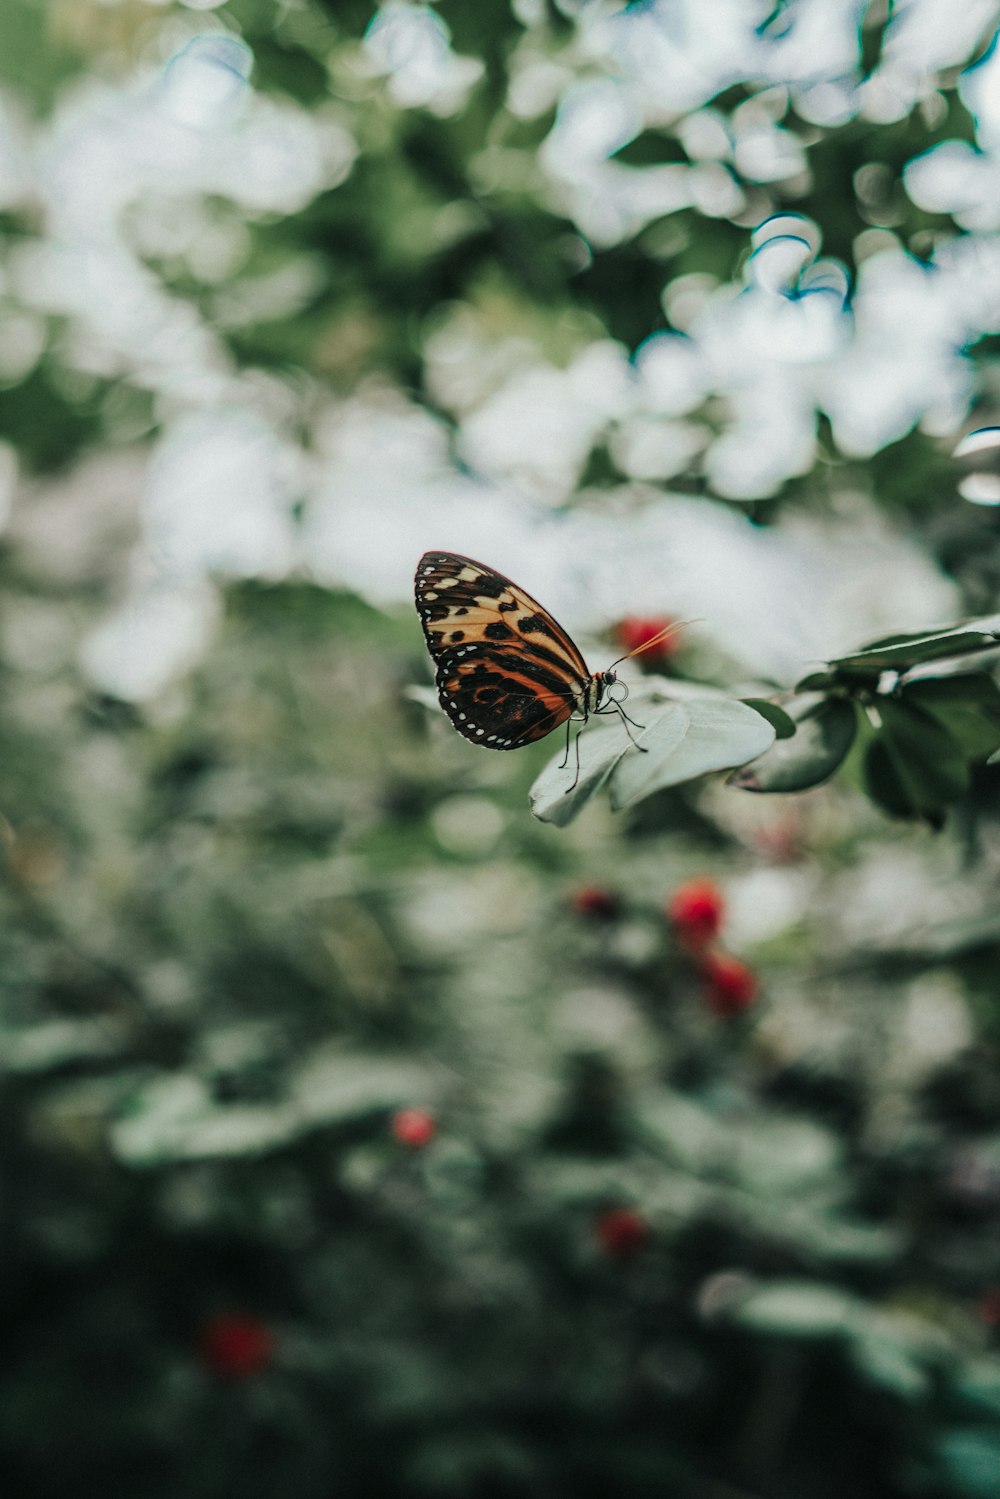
360 1134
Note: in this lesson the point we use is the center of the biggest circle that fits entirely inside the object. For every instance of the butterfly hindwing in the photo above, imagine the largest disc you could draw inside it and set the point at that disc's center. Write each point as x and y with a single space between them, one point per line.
507 673
498 703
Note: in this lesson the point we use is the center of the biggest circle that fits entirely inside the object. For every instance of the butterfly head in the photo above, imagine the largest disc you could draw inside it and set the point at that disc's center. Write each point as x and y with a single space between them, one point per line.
598 692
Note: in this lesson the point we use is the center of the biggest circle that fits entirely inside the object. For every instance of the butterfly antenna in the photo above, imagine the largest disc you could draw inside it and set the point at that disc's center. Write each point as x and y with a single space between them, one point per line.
664 634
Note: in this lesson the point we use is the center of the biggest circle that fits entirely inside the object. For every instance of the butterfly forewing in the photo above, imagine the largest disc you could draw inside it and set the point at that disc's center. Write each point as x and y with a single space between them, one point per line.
507 673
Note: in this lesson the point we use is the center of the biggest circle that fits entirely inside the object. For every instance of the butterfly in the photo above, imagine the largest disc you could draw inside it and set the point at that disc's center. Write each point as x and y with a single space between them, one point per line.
507 673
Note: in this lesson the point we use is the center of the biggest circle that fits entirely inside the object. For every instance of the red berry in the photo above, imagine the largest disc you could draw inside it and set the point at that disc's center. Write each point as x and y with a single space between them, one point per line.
621 1232
595 901
635 631
235 1346
728 985
696 909
989 1307
414 1127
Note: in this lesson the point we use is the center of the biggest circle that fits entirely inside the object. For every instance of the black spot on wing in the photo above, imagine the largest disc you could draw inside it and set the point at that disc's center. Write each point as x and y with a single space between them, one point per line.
437 610
535 624
487 591
490 585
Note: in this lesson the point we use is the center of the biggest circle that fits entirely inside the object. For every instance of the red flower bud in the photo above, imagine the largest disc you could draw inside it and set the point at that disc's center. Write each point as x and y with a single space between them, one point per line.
729 986
236 1346
414 1127
595 901
635 631
696 909
621 1232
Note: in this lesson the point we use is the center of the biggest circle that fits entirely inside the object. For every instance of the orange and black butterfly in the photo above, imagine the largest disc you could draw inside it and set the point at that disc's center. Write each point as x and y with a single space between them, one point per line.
507 673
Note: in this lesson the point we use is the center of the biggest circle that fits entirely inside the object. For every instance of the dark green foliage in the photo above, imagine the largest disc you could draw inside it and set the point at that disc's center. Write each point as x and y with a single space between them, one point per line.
822 734
444 1320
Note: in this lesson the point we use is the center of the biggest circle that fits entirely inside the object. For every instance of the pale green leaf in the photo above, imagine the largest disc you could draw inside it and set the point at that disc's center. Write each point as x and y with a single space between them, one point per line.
797 1309
559 794
884 1363
720 733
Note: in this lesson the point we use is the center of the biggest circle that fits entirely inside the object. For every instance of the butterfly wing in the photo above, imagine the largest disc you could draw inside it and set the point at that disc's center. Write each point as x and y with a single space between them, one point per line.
507 673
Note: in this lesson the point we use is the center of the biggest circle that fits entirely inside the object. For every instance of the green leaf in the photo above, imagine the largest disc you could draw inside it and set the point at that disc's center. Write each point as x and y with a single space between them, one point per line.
782 1156
979 1386
970 1460
37 55
781 722
975 688
719 733
336 1086
967 705
678 742
559 795
884 1363
883 783
817 681
825 732
914 767
927 758
984 622
900 652
637 775
174 1118
798 1309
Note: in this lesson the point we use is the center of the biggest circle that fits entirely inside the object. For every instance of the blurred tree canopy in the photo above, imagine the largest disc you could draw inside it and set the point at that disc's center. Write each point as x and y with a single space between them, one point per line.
363 1133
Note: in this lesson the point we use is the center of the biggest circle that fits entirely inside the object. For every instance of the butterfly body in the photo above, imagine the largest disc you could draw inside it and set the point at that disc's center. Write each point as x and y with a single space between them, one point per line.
507 673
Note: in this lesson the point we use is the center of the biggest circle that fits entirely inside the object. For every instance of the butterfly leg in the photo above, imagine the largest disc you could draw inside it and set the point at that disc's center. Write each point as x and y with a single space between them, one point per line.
642 748
576 745
632 721
565 759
